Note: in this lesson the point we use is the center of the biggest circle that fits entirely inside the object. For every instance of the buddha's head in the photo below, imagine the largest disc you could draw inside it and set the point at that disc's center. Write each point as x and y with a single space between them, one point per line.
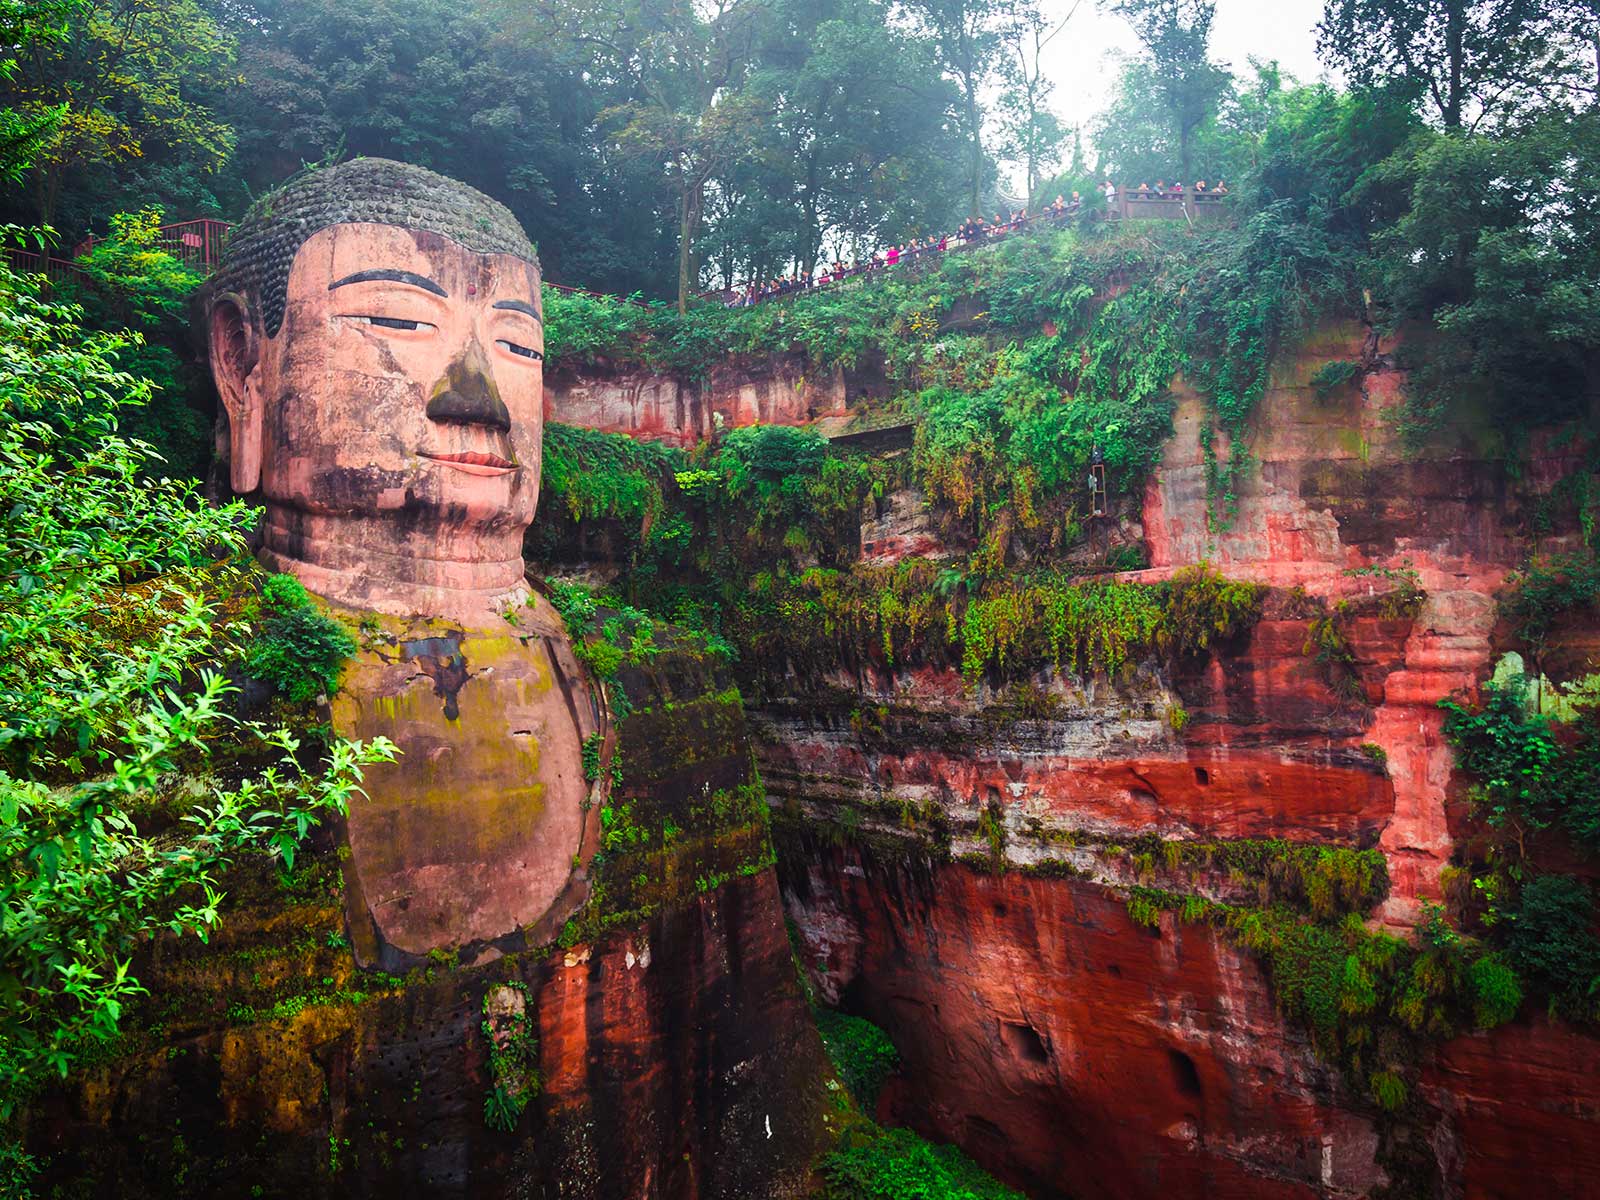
376 335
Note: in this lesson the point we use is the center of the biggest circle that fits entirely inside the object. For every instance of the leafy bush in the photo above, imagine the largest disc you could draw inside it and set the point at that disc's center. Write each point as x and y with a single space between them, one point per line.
1546 589
299 650
1202 607
1333 376
605 475
896 1164
1530 774
861 1052
111 659
128 283
1552 939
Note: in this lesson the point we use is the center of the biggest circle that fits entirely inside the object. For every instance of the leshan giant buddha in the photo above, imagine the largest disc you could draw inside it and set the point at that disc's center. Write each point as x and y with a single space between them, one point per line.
376 337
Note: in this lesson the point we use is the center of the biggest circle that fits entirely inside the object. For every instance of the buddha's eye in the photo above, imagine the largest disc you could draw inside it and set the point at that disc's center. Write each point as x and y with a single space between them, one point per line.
520 351
393 323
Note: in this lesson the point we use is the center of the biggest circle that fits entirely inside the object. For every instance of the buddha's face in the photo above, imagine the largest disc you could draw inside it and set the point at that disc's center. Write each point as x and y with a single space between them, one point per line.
404 390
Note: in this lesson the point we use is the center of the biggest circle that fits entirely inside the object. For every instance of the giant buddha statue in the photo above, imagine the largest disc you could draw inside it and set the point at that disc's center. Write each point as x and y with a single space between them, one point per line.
375 332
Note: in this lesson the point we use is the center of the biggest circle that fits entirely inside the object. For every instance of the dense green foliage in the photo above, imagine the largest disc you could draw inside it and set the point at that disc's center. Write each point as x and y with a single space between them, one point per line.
1531 773
127 283
861 1052
896 1164
298 649
1551 938
917 611
114 647
1547 590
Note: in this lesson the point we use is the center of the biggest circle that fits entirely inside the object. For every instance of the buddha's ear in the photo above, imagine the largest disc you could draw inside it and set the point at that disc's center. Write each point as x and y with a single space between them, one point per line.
235 353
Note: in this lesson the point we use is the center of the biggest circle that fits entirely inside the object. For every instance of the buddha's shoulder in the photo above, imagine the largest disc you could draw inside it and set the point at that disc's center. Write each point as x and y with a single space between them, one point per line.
538 616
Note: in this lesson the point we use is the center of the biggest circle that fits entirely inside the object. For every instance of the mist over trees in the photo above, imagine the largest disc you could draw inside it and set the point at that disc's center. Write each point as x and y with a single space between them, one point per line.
665 147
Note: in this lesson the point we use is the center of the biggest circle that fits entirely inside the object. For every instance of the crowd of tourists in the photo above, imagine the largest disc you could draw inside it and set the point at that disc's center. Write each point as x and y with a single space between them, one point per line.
1169 191
973 231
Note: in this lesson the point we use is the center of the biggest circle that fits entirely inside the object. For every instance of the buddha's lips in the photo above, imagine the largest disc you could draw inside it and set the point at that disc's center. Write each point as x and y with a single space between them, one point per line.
474 462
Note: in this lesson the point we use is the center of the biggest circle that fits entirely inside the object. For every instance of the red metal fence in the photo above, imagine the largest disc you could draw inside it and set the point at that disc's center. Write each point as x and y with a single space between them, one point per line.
196 243
32 262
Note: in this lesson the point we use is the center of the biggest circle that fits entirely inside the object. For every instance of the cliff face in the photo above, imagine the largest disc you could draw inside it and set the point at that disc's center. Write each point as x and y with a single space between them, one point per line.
1077 1052
664 407
1333 490
662 1048
1069 1049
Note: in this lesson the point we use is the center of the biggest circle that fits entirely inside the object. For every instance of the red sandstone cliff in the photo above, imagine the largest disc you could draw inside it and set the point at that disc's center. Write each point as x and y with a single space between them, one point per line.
1071 1050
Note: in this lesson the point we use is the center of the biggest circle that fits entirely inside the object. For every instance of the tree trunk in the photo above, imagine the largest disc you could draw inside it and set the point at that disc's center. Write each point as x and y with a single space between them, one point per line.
809 206
974 123
1455 31
689 202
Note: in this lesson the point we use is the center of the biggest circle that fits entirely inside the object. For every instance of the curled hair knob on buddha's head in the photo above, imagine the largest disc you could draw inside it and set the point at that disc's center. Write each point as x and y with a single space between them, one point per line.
377 191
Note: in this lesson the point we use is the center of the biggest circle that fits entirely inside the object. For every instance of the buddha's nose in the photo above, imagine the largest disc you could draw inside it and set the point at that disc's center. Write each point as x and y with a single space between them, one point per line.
467 395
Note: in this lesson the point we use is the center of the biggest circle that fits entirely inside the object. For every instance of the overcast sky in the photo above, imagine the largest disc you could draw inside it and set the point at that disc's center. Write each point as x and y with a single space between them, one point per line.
1083 59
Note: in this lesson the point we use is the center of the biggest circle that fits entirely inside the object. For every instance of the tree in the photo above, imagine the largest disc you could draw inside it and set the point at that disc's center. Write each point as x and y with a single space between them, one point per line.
469 90
123 76
114 652
967 36
1033 131
1467 60
857 144
1177 35
1508 273
688 110
23 133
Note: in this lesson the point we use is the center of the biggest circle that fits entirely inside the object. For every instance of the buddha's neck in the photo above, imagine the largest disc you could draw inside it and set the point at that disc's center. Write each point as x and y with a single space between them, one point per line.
374 564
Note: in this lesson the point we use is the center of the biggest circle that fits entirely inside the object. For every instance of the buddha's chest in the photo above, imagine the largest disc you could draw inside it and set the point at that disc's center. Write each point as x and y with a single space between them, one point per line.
473 833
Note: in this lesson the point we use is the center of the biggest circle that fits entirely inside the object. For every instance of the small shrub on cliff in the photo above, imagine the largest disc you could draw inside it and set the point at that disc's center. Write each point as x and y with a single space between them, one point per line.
513 1051
861 1052
1552 940
1547 589
299 650
1202 607
1531 773
896 1164
1332 377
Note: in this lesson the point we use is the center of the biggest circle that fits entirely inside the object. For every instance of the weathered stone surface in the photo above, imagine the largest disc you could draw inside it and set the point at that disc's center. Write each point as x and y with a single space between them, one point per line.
1042 1030
1520 1110
1334 489
900 527
478 837
677 1057
641 403
665 1052
1069 1050
664 407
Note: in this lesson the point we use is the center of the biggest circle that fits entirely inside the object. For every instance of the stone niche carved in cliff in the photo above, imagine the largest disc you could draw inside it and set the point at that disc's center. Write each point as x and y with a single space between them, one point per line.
376 336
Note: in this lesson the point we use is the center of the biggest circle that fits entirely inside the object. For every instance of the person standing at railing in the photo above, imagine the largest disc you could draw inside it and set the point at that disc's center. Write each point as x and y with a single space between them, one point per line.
892 258
1110 192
